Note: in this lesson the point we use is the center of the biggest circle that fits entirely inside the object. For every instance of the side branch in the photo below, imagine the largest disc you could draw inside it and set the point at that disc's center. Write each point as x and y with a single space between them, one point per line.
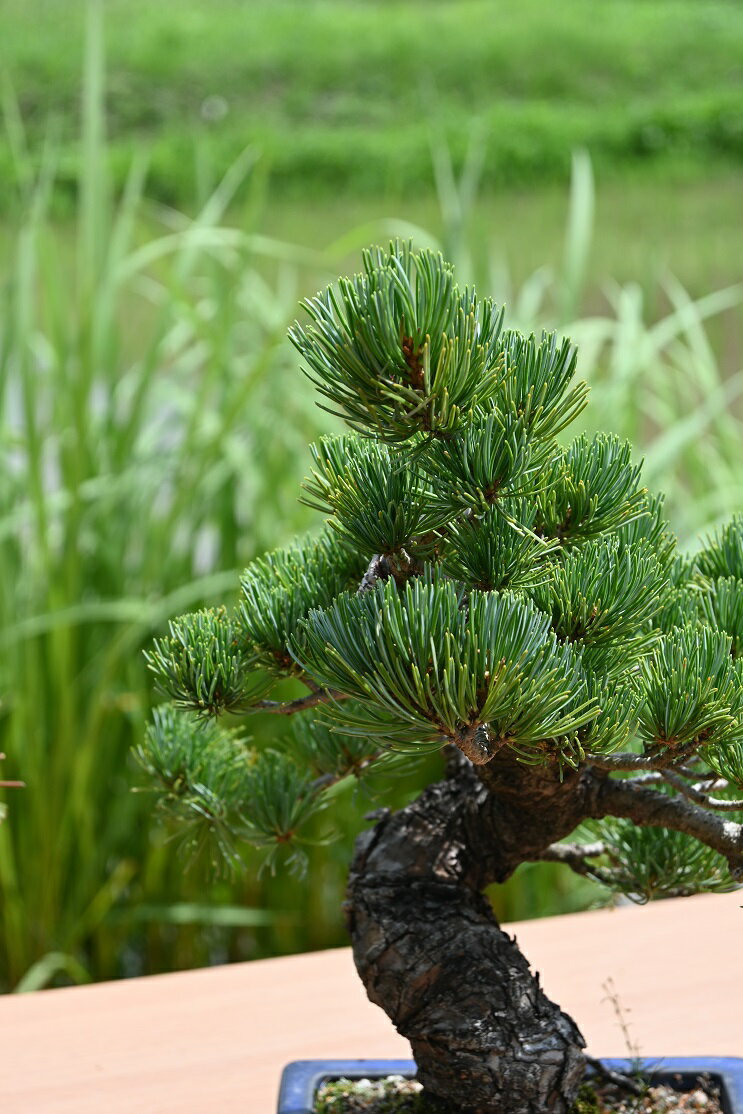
696 794
650 808
575 855
572 854
655 761
290 707
621 762
659 760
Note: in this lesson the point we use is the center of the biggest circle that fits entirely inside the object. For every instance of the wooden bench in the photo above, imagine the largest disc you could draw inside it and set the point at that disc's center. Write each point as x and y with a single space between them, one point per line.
214 1041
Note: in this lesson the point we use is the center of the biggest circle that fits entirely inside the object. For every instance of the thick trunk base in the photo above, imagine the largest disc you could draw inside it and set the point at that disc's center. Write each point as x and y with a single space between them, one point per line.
429 950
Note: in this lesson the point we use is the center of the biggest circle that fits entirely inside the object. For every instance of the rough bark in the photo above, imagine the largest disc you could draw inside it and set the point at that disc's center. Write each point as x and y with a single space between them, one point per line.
430 952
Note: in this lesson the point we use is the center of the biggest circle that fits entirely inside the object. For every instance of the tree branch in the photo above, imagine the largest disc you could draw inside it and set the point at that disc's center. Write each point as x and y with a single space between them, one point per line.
693 775
571 853
398 565
657 777
575 855
661 759
694 793
667 755
622 761
376 570
653 809
624 1082
290 707
652 778
324 781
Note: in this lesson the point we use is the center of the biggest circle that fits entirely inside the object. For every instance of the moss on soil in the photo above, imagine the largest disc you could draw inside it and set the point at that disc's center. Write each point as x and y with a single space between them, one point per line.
397 1095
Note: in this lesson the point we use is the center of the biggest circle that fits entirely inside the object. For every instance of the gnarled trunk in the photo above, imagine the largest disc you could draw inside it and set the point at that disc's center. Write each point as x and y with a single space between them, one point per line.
430 952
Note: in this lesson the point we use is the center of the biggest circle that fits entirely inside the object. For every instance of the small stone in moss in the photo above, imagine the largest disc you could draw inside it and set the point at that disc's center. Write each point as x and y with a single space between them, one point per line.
397 1095
393 1095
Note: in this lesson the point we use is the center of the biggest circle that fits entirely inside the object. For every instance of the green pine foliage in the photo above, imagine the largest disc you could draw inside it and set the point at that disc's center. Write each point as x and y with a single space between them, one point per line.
205 664
426 670
537 383
400 348
652 527
331 755
492 456
589 489
692 690
498 549
648 863
721 605
616 724
723 553
726 761
603 593
679 608
216 786
379 503
279 590
478 584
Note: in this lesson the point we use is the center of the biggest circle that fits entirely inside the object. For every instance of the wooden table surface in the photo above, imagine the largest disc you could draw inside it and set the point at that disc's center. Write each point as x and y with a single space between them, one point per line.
214 1041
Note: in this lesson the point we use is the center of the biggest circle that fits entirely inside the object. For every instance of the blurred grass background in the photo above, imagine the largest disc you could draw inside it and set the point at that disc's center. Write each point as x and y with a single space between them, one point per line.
172 183
344 94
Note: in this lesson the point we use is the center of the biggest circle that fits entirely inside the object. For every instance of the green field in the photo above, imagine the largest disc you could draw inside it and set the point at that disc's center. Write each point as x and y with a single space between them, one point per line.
642 232
340 95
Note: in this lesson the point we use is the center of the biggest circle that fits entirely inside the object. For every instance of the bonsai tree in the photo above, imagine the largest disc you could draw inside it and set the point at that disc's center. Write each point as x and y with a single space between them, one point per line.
485 588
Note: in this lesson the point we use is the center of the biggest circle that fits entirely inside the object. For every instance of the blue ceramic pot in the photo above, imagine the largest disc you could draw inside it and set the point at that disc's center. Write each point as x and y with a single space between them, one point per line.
301 1079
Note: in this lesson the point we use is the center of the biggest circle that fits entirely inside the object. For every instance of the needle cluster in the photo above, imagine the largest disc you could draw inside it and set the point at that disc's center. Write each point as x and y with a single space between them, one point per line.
479 584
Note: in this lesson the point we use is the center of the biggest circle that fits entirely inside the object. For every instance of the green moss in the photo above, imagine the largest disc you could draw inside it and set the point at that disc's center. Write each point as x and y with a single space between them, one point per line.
382 1096
397 1096
587 1101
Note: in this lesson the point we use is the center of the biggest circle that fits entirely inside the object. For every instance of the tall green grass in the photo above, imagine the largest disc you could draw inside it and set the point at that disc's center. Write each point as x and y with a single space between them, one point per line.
154 431
152 442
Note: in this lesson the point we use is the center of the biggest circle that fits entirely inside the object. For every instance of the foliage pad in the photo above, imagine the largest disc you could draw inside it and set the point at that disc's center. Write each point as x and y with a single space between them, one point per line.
478 586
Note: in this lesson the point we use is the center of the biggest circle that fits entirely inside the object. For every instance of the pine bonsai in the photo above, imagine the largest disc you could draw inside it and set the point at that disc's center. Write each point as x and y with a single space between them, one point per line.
484 589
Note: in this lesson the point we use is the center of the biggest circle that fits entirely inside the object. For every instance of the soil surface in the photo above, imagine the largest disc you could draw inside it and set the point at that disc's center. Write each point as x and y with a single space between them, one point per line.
397 1095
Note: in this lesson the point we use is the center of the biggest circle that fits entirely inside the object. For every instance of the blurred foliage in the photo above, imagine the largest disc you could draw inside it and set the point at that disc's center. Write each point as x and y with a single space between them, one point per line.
343 95
154 424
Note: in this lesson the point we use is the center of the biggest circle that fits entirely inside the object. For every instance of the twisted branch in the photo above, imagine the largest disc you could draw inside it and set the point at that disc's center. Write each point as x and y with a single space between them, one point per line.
653 809
658 760
290 707
622 762
575 855
694 793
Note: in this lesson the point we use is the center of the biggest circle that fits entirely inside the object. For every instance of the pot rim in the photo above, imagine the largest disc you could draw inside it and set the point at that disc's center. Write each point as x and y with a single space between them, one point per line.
301 1078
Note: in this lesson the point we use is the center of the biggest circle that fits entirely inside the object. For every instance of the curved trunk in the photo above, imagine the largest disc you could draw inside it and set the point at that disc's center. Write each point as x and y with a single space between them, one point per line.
430 952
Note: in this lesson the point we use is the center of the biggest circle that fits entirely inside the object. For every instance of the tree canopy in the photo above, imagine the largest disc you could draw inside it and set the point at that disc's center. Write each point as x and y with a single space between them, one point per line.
480 582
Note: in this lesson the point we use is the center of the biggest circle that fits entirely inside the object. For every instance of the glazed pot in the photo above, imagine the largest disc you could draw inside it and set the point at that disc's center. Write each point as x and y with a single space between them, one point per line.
301 1079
